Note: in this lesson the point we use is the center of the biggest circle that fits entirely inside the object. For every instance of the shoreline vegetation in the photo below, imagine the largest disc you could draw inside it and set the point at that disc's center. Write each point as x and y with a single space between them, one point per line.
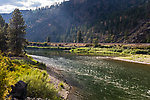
41 84
136 53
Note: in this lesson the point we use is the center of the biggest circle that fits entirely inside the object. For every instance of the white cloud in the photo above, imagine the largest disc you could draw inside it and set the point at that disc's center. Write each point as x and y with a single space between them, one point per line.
8 6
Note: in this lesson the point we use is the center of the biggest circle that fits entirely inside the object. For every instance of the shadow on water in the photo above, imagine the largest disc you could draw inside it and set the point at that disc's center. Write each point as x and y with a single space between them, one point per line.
98 78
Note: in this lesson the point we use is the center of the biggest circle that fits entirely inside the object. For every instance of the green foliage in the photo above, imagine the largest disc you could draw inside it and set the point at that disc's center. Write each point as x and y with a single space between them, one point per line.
50 48
12 71
141 52
41 65
3 33
95 42
79 37
112 50
39 85
3 83
2 21
5 77
16 33
61 85
45 44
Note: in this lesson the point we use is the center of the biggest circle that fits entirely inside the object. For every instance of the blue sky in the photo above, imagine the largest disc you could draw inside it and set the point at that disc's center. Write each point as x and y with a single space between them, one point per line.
7 6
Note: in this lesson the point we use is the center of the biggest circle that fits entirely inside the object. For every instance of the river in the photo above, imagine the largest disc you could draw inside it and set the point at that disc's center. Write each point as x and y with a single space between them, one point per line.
99 78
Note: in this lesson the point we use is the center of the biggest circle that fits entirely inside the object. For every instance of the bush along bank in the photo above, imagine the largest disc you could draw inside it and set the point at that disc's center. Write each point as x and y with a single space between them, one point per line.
112 50
137 53
16 69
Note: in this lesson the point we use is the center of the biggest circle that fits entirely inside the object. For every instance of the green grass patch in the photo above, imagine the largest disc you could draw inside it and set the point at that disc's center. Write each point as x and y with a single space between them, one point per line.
13 70
111 50
50 48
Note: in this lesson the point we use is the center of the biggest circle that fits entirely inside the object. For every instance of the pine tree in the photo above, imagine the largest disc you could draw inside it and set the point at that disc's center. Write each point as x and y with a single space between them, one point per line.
48 39
3 27
2 21
79 37
16 33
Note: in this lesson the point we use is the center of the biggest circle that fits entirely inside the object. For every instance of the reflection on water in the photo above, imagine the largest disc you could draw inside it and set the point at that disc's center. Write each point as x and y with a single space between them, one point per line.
98 78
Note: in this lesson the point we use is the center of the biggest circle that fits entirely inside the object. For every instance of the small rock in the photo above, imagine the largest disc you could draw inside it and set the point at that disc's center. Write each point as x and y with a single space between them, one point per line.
148 92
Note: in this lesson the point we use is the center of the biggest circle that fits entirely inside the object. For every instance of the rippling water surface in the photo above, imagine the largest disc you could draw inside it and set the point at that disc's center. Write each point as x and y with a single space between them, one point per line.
98 78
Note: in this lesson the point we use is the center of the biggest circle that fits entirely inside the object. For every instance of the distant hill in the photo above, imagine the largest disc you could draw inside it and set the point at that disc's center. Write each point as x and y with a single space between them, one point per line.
107 20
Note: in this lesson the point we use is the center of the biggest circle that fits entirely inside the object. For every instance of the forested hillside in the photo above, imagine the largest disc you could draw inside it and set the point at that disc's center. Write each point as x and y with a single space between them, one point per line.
105 20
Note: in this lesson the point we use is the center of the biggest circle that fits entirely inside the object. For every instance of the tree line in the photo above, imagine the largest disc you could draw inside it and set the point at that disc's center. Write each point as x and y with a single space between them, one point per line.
12 34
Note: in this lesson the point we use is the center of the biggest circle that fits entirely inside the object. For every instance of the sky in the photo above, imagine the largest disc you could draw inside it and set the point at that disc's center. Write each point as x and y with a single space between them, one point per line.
7 6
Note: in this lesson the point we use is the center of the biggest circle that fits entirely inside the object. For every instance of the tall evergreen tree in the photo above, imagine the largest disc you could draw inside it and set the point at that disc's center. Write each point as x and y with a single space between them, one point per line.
16 33
79 37
48 39
2 21
3 27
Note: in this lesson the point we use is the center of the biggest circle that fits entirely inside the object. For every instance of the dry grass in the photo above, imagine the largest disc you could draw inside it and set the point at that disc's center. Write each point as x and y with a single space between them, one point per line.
139 58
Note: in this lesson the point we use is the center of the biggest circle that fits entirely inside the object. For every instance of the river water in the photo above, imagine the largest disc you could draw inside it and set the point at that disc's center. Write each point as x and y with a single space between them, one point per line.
99 78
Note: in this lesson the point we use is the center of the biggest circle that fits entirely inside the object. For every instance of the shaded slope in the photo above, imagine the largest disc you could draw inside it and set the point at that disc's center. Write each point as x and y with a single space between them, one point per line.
107 20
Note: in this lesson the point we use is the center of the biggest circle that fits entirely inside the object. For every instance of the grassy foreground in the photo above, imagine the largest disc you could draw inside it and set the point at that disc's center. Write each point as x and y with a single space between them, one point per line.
29 71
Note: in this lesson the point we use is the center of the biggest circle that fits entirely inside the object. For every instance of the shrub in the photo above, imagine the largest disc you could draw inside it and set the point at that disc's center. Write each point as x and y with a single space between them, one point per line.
41 65
107 46
39 85
3 83
95 42
5 80
61 85
88 45
141 52
125 47
34 44
45 44
59 45
12 71
118 50
148 47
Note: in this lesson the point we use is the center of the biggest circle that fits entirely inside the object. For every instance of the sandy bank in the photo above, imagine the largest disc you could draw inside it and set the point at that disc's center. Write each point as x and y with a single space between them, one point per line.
133 61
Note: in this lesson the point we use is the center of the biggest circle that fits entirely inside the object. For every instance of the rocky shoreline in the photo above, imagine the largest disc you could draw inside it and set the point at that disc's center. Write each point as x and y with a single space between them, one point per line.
59 83
56 79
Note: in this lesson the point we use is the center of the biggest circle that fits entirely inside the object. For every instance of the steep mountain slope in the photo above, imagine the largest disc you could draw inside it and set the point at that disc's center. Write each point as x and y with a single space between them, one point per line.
141 34
107 20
